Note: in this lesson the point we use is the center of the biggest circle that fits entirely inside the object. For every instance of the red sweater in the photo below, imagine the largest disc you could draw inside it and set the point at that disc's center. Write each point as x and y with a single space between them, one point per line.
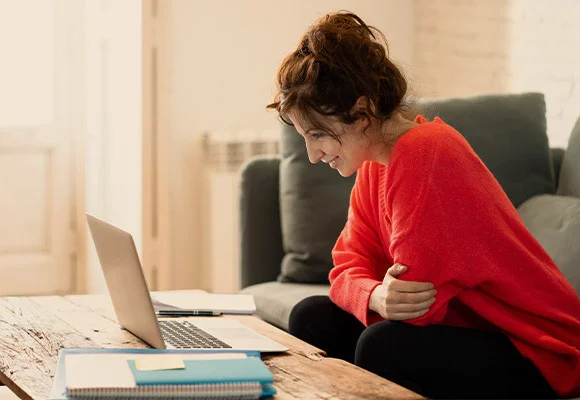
438 210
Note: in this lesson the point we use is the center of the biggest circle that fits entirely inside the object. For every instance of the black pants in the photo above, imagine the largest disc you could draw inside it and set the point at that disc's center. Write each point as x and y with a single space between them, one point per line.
436 361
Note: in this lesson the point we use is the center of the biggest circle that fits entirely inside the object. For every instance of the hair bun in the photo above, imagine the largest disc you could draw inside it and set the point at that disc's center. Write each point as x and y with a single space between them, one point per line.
338 60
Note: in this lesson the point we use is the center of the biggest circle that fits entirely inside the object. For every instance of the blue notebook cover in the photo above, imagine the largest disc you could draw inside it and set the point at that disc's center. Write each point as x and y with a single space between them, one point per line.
58 391
250 369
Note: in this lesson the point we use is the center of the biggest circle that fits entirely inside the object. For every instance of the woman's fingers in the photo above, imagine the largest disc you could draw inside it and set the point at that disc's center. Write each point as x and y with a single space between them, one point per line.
402 316
400 300
412 307
394 270
409 298
409 287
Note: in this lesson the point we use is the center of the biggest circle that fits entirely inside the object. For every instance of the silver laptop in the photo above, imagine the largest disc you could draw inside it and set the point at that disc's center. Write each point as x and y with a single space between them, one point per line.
134 310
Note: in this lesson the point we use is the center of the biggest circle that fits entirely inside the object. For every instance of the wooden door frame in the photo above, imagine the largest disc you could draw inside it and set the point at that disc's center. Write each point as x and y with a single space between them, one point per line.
105 170
157 260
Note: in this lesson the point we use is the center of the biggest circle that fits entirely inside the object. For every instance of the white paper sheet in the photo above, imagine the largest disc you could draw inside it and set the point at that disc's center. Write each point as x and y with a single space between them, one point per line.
199 300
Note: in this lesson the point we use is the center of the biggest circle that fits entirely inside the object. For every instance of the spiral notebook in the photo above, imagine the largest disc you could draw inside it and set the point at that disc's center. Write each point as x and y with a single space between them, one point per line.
115 373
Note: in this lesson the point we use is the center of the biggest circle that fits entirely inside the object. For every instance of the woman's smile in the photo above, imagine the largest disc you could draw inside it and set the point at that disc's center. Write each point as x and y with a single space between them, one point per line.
332 163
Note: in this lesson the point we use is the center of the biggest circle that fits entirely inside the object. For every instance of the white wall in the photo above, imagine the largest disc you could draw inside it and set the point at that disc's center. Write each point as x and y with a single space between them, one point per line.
473 46
545 57
461 48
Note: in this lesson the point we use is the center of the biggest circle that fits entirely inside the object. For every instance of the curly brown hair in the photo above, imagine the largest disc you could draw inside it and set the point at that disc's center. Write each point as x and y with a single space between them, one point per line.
338 60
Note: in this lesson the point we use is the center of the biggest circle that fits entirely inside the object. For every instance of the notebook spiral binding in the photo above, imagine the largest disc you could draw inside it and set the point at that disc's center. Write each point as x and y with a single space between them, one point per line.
213 391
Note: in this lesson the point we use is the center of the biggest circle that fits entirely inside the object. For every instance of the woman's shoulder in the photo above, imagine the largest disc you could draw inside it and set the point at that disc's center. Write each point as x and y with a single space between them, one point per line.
426 138
425 133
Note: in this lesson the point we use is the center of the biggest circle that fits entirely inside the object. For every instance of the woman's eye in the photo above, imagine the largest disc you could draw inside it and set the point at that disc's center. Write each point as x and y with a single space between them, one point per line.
316 135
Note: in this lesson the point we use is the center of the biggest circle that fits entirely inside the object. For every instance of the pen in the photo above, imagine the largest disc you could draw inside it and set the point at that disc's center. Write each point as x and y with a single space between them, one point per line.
188 313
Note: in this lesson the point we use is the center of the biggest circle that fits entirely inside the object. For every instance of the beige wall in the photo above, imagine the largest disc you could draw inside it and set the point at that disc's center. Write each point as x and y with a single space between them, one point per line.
217 66
224 54
474 46
217 62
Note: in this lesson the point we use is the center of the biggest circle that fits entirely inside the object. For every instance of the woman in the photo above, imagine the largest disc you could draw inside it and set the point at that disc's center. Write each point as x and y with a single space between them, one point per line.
437 284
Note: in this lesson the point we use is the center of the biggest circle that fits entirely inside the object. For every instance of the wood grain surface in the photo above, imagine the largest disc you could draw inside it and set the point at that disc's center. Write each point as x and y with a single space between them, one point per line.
33 329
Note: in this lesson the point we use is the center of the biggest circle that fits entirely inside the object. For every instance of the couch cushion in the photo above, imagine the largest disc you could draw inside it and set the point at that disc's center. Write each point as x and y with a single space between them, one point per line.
569 183
275 300
555 223
313 206
508 132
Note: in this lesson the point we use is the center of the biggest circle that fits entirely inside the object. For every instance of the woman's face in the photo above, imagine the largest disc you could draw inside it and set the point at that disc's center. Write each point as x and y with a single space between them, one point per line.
345 156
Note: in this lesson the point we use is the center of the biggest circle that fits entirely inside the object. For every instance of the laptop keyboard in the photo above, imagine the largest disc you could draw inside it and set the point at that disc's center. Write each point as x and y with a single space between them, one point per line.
184 335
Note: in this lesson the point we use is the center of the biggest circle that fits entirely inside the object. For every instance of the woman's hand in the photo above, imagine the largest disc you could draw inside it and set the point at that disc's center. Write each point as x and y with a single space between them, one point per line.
397 300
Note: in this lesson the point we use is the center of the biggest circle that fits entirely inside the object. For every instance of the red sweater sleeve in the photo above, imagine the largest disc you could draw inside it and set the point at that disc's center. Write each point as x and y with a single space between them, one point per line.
433 183
358 255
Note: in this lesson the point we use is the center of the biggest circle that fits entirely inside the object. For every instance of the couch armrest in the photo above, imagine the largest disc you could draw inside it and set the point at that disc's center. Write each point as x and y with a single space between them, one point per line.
261 235
557 156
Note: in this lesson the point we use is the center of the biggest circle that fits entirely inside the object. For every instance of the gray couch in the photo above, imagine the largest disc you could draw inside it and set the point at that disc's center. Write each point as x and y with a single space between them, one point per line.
292 211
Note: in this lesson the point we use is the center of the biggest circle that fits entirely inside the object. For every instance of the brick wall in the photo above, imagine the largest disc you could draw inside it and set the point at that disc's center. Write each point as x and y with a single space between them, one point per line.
465 47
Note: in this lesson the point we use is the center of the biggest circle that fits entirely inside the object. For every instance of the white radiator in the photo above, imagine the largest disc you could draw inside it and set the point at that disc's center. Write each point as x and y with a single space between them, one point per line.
224 154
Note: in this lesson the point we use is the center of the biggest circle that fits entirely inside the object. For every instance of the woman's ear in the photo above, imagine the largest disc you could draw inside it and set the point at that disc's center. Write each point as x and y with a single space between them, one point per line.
363 108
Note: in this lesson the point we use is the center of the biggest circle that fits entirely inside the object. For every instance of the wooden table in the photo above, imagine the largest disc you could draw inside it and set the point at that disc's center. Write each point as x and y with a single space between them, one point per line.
33 329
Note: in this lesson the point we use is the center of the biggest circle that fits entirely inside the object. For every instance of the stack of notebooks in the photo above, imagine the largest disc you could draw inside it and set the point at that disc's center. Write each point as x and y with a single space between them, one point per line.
160 374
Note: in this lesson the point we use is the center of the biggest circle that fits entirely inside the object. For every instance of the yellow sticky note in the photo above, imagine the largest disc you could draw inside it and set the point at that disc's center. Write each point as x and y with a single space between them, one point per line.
159 363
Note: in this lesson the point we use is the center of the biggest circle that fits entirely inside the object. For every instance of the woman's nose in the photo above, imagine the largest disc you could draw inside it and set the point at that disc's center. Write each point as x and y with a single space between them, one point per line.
314 155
